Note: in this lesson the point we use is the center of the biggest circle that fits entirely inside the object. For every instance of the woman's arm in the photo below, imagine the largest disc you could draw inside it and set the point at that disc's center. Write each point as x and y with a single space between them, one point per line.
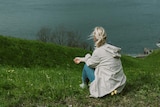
94 60
78 60
91 61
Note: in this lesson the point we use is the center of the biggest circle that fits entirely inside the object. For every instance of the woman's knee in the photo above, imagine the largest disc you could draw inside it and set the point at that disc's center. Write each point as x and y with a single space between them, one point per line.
89 72
86 67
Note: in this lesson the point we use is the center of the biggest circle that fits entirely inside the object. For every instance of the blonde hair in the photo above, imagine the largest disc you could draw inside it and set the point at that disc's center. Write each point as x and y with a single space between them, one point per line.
101 36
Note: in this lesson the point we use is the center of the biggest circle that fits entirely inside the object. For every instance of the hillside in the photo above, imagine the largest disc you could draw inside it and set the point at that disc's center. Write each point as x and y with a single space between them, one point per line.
36 74
30 53
27 53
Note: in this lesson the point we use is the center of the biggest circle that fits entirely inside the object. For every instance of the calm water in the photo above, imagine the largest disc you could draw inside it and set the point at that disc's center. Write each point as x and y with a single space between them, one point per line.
130 24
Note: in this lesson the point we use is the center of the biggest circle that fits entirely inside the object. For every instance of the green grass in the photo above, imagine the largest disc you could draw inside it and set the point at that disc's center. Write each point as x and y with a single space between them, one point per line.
18 52
37 86
48 78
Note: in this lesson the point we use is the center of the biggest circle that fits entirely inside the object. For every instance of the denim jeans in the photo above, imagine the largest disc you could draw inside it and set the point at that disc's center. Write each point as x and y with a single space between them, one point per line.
87 73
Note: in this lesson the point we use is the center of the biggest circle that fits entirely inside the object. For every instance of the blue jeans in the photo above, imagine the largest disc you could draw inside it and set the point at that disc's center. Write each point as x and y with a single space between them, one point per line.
87 73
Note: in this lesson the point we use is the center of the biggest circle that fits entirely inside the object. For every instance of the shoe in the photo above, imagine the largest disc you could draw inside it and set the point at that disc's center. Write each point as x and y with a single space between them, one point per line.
83 85
114 92
92 96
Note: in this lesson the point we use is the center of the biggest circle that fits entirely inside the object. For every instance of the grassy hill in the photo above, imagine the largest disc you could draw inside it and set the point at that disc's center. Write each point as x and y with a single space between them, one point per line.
37 74
18 52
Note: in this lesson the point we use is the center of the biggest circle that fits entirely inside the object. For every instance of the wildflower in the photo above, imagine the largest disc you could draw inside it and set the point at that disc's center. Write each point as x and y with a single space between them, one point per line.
10 71
26 81
70 86
10 79
47 76
69 105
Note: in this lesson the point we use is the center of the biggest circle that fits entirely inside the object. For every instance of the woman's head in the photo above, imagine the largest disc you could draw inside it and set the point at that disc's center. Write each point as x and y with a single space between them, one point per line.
99 36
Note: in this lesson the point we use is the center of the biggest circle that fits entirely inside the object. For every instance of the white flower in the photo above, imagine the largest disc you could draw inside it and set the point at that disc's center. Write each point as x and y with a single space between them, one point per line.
47 76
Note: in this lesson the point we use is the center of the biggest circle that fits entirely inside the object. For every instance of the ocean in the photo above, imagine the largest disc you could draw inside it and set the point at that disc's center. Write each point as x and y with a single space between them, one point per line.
130 24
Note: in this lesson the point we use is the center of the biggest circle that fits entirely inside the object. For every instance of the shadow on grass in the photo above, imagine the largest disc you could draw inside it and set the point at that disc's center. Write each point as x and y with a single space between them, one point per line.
143 81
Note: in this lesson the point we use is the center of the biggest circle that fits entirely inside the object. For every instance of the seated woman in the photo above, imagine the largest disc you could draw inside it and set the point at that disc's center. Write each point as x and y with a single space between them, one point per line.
103 68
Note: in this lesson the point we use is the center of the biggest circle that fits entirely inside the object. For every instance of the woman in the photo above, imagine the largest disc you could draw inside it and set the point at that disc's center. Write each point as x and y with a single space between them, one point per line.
103 68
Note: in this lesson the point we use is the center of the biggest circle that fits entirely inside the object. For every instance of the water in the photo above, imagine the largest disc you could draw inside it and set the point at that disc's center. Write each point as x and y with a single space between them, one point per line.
130 24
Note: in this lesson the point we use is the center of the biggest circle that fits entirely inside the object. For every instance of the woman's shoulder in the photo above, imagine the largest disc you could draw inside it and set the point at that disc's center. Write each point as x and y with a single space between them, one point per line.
113 47
100 49
107 47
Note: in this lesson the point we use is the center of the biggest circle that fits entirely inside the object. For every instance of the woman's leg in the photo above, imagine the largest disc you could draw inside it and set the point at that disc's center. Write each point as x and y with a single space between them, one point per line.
87 73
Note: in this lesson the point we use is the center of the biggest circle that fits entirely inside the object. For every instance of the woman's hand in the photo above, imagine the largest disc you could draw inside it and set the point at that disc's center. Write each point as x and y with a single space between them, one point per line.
77 60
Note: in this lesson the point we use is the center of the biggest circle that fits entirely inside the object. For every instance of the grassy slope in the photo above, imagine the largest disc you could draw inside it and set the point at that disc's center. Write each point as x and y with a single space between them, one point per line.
39 74
19 52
